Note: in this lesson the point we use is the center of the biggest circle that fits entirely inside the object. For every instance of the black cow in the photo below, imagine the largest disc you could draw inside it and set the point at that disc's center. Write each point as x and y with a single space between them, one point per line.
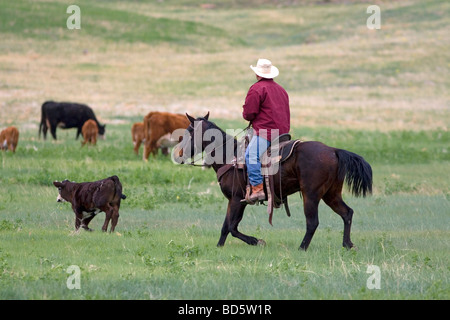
90 198
66 115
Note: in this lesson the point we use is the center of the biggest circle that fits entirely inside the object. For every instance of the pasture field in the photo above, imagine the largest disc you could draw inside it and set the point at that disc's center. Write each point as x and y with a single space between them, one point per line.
383 94
164 247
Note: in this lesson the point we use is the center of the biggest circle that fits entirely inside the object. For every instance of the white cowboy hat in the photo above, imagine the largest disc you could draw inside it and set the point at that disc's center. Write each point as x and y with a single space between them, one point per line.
265 69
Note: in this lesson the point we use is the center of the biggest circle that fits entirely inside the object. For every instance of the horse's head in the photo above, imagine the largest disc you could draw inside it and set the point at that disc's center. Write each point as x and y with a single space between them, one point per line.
191 142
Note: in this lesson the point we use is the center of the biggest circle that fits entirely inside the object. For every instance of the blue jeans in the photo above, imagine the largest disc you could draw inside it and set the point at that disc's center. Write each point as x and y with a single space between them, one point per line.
255 149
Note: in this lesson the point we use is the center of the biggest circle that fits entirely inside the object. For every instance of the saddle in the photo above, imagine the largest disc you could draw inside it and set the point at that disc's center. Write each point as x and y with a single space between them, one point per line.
279 151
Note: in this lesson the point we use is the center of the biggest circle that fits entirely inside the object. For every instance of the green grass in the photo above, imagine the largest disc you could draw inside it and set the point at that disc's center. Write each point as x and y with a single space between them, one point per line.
164 245
382 94
161 255
48 19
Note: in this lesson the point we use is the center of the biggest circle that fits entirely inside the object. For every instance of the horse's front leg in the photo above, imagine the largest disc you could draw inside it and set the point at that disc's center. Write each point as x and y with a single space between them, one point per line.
235 212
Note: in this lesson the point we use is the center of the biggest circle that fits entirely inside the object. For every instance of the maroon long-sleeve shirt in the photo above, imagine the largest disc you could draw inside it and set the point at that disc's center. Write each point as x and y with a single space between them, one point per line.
267 107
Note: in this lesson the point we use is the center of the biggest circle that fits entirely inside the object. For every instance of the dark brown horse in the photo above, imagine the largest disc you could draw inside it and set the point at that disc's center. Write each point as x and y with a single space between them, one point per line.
314 169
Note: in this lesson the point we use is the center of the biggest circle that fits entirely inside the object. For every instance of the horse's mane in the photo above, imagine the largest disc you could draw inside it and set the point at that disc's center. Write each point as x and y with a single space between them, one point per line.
213 125
226 136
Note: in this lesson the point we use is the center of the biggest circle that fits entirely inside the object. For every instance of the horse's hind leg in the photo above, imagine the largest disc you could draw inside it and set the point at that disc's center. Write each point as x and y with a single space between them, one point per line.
311 209
334 200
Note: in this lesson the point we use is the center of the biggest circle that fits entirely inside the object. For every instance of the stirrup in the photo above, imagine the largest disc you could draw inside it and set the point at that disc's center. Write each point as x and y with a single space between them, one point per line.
247 197
248 201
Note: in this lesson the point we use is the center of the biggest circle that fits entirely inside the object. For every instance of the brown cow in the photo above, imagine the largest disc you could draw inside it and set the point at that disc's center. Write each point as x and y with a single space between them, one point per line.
89 132
158 124
90 198
137 135
9 138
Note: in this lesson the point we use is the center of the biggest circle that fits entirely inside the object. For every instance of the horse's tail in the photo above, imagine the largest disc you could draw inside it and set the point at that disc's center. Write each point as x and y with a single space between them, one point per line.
356 171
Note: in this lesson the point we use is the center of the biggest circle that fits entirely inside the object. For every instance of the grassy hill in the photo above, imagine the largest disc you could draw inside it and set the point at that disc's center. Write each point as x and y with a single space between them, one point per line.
131 57
383 94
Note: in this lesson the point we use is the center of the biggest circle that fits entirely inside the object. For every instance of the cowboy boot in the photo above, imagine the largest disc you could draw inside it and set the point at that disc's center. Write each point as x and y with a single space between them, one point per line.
257 193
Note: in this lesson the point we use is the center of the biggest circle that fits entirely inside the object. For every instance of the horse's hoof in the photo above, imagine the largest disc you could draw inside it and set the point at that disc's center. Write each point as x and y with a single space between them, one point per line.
261 243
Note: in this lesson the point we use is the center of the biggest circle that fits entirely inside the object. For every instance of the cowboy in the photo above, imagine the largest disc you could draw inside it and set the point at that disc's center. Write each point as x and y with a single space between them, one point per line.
267 108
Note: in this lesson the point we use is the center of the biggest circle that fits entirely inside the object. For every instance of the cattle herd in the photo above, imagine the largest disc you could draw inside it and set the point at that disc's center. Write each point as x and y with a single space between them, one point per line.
90 198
